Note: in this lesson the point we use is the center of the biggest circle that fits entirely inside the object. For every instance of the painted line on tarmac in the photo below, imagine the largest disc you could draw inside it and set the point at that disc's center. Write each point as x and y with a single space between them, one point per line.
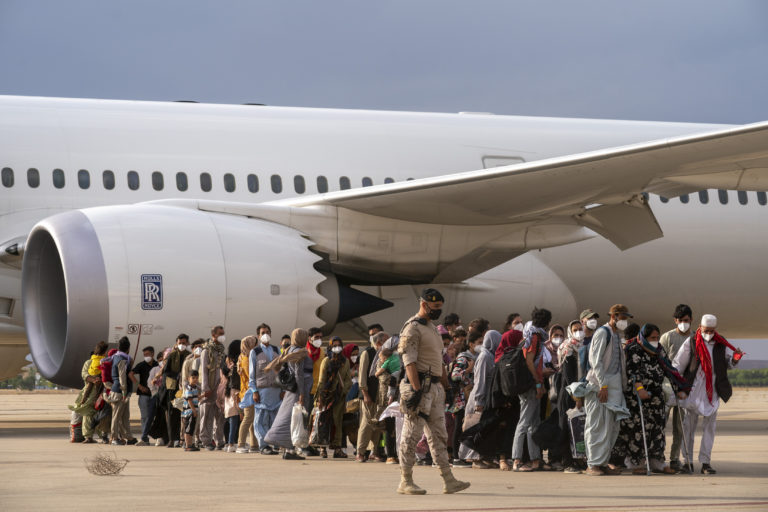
670 506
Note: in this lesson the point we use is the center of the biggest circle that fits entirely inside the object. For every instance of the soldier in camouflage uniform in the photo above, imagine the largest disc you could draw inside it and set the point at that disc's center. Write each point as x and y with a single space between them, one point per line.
422 394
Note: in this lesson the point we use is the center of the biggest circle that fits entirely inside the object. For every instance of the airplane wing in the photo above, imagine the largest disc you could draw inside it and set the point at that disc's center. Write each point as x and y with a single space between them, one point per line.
733 158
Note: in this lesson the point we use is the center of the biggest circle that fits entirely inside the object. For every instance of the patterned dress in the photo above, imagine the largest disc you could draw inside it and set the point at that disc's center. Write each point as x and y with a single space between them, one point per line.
645 368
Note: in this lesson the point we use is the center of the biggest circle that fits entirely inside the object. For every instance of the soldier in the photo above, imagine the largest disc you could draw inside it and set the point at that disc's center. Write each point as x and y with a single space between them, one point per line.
423 395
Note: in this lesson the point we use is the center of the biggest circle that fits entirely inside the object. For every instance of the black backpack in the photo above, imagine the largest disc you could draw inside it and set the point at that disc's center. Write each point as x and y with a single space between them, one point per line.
514 377
371 381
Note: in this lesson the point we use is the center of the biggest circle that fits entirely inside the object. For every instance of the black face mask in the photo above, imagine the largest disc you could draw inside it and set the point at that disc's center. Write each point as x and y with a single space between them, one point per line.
434 314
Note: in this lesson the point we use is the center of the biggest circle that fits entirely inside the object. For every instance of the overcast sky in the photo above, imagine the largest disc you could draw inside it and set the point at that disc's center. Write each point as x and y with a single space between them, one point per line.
701 60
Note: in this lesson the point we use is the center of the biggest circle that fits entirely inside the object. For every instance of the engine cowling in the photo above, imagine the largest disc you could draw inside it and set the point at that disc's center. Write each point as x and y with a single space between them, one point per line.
150 272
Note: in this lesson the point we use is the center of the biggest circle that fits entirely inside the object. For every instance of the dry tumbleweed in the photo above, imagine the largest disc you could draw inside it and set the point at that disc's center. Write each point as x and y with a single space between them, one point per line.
105 464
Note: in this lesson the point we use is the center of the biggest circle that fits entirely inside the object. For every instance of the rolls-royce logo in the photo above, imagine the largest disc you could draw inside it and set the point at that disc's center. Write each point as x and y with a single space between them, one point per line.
151 291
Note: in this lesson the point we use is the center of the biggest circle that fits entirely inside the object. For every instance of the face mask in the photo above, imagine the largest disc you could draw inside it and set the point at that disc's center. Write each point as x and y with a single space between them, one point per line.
371 340
621 324
182 348
317 343
476 348
557 340
221 339
683 326
336 350
353 359
518 327
198 351
434 314
707 336
148 359
265 338
654 344
578 335
592 324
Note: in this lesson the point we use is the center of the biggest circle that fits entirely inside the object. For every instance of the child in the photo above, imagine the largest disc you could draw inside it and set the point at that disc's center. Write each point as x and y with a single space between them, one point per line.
388 371
189 414
94 370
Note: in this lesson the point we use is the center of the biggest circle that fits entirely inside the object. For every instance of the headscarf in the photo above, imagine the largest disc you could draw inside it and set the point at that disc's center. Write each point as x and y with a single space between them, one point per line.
705 359
299 338
666 365
347 351
509 341
571 345
491 341
247 344
314 352
551 346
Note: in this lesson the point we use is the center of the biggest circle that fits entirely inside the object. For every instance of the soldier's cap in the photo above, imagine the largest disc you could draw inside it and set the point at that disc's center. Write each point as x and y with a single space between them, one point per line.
588 313
620 309
432 295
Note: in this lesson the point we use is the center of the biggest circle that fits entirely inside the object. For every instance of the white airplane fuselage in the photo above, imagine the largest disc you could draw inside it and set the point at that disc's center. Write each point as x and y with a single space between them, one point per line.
711 255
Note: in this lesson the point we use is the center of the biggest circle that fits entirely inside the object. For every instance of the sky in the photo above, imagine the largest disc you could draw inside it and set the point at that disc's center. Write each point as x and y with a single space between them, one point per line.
693 61
697 61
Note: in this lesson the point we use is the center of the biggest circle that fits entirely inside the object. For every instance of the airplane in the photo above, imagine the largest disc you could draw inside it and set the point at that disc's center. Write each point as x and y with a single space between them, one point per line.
147 219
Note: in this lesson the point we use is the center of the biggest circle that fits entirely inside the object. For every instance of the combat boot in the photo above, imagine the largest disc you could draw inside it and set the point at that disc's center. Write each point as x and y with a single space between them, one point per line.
407 486
451 485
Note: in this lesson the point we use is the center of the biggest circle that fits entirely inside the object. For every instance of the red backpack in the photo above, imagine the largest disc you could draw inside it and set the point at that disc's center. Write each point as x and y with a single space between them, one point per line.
106 366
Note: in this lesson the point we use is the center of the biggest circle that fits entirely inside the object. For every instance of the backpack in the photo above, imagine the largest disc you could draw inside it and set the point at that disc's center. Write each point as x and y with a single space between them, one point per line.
106 369
514 377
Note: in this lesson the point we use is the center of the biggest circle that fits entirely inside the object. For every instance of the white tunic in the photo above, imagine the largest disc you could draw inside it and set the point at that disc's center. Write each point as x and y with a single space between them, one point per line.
697 400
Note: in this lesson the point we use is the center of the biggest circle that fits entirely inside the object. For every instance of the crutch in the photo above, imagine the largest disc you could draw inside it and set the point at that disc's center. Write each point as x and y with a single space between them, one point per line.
645 442
688 461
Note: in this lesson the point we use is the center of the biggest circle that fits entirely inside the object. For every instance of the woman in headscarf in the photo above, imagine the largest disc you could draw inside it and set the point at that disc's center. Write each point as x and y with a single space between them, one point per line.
647 366
460 380
568 358
300 366
246 432
478 399
332 389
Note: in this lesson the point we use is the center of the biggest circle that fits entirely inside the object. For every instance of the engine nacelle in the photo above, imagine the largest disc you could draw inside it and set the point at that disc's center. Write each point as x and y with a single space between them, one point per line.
150 272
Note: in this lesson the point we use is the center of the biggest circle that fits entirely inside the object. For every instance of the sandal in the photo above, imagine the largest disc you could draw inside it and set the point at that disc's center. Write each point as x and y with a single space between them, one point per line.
339 454
323 453
541 466
518 467
504 465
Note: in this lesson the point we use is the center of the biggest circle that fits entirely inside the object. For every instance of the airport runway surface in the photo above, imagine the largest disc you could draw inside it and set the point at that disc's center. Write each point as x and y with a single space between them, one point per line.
41 470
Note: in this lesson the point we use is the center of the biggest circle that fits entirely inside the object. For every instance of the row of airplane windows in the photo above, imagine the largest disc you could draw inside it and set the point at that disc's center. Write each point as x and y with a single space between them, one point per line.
182 182
276 183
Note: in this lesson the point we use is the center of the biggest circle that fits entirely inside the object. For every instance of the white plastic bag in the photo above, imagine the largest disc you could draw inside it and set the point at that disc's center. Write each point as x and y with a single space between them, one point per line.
299 434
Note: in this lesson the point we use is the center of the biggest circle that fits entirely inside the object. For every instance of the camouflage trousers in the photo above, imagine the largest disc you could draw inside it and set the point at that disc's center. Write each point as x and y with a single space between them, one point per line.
432 405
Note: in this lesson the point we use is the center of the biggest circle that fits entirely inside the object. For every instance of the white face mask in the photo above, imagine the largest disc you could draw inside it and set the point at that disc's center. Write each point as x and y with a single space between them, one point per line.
592 324
557 340
578 335
353 359
198 351
683 326
518 327
221 339
371 340
265 338
148 359
621 324
336 350
654 344
182 348
317 343
476 348
707 336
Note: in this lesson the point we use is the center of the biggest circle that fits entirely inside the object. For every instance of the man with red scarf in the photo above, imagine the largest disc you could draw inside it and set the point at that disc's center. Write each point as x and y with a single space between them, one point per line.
704 362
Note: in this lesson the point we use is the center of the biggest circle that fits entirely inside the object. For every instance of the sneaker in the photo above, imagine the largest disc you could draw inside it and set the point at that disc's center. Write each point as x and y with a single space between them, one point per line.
177 444
572 469
267 450
253 450
675 464
142 443
392 460
461 463
706 469
159 442
210 447
292 456
191 449
132 440
117 443
242 449
219 447
232 448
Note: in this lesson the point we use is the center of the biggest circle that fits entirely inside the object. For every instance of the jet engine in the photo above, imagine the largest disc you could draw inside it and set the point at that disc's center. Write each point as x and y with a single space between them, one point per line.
150 272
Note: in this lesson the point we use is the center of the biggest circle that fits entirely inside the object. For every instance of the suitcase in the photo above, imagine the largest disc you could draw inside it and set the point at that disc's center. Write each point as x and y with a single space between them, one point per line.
576 426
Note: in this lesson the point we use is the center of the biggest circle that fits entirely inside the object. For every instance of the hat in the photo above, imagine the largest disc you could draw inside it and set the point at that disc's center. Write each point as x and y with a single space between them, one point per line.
588 313
709 321
432 295
620 309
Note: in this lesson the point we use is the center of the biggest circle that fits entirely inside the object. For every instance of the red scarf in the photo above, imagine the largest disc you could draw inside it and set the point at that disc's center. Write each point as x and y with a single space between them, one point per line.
314 352
509 341
706 360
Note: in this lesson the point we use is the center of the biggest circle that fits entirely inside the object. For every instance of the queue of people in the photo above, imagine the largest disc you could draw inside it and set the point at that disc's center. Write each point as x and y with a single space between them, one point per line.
593 398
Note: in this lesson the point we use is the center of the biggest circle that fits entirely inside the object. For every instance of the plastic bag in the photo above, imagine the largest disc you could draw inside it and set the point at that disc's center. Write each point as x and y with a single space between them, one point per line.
299 434
322 421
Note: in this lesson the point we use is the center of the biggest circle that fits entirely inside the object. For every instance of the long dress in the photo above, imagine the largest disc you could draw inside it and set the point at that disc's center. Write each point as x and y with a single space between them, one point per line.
280 432
645 368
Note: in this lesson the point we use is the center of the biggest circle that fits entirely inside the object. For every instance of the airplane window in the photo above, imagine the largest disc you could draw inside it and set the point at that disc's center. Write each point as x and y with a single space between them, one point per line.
742 195
322 184
253 183
663 199
157 181
181 181
205 182
367 182
229 182
723 196
277 183
33 178
58 178
298 184
388 180
108 177
762 199
684 198
344 183
83 179
7 177
133 180
703 196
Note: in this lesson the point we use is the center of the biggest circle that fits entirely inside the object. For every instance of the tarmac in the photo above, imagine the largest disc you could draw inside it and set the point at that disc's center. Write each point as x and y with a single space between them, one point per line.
41 470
